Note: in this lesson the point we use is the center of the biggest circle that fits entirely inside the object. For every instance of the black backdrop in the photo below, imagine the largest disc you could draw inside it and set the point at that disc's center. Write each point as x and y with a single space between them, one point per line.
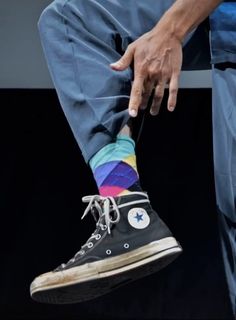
43 178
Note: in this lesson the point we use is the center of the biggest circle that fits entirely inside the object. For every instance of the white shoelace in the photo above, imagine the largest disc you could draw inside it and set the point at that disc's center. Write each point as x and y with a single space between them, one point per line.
104 210
104 207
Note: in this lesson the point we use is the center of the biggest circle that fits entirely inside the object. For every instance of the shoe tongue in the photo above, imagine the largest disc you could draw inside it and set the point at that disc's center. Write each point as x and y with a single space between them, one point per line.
132 196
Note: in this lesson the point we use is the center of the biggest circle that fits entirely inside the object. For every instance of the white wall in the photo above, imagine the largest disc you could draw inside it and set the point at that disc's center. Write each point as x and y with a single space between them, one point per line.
22 63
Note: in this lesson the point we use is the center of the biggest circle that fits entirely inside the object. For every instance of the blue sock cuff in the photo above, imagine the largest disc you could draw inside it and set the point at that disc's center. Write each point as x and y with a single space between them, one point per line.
117 151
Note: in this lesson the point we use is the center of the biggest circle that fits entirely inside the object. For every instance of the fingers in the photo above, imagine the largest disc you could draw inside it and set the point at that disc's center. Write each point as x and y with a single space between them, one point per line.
157 98
148 87
137 90
136 95
159 94
125 60
173 91
145 77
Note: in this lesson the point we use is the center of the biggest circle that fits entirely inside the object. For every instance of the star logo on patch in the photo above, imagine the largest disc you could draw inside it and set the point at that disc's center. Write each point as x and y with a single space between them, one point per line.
138 218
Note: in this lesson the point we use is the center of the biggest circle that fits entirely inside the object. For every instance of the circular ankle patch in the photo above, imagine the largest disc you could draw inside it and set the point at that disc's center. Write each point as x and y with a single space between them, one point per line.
138 218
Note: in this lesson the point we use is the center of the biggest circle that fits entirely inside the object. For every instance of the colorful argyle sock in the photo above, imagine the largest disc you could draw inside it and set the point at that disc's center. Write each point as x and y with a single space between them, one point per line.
114 168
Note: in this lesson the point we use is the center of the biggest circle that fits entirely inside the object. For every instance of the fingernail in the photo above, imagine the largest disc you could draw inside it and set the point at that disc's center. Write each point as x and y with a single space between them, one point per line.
154 113
133 113
143 107
171 109
117 64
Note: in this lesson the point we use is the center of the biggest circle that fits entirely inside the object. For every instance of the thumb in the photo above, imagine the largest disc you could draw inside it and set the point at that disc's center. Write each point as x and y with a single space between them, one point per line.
124 61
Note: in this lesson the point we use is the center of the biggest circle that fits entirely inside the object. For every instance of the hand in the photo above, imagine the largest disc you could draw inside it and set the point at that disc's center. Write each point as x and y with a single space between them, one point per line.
157 58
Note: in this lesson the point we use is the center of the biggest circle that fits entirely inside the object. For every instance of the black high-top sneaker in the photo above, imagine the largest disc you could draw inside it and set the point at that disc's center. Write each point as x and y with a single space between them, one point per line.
130 242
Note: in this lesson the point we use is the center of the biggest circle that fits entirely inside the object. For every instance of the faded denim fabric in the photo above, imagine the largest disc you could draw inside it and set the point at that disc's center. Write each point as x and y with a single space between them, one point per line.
223 33
80 39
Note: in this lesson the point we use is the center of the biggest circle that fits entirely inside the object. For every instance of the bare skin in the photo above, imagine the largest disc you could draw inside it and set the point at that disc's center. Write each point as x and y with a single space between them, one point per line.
126 131
157 55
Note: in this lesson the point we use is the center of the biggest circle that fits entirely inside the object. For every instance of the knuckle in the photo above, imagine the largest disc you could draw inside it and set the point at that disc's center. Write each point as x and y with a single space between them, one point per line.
137 91
156 102
130 46
165 74
157 99
153 73
158 95
123 61
142 68
173 91
176 73
141 74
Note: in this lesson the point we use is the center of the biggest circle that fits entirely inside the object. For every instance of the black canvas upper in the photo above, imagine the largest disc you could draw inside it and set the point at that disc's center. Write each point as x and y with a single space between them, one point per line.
123 237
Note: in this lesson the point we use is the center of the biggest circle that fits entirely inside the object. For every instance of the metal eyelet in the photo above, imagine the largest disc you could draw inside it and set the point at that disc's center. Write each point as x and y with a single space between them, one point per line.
82 252
108 252
98 237
126 246
90 245
104 227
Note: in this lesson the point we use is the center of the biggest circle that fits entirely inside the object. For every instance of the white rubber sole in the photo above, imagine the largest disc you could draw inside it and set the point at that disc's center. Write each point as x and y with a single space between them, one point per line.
95 279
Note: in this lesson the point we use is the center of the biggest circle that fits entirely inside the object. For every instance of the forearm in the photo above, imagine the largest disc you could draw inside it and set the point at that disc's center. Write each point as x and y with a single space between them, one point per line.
185 15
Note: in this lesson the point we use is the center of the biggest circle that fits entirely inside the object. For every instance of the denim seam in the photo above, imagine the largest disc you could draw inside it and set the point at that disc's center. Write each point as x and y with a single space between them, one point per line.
76 74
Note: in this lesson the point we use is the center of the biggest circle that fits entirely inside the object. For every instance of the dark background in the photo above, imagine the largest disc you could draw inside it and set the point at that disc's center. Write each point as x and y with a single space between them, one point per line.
43 178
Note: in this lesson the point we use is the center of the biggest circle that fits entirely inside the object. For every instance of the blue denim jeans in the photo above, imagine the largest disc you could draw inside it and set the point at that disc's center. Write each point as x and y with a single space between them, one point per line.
223 55
80 39
224 138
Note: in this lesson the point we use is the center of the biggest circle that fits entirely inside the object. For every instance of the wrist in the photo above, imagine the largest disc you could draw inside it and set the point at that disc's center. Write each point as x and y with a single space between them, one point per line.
185 15
175 24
